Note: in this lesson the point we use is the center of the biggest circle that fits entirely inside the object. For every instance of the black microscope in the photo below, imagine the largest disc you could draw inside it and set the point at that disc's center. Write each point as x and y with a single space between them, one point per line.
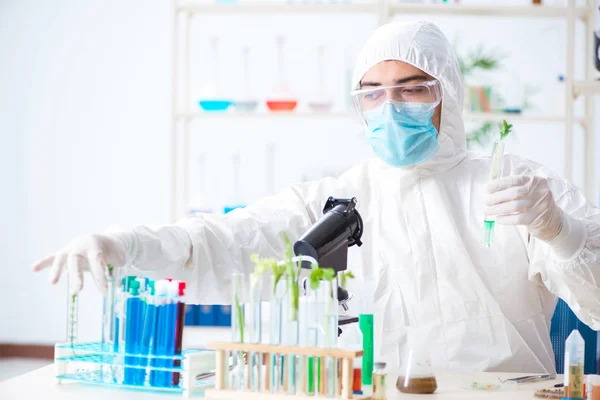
327 241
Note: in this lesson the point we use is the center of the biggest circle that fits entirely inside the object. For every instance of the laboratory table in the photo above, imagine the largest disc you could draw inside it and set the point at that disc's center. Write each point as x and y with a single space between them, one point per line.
41 384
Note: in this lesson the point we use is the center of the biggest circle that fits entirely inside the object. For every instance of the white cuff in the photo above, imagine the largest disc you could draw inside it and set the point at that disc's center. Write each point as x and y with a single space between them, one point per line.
128 240
571 240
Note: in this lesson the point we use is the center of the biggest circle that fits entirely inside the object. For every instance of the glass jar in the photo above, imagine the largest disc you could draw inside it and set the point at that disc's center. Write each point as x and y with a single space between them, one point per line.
379 381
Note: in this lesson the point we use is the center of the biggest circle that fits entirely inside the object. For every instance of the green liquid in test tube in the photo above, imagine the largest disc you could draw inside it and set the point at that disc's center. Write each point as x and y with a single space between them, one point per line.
496 171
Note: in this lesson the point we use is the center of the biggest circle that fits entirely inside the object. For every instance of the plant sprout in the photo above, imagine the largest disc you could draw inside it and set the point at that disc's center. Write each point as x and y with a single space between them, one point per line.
505 129
293 273
261 265
320 274
240 317
344 276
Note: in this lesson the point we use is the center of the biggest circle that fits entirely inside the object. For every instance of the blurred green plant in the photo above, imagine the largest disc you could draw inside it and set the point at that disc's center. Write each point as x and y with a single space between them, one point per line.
479 59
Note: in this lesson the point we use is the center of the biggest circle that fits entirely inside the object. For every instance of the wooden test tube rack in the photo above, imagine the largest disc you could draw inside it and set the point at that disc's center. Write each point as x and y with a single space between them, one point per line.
222 349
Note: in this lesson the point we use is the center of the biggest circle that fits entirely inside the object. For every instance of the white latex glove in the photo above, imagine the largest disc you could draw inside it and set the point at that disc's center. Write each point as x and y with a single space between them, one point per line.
527 200
524 200
86 253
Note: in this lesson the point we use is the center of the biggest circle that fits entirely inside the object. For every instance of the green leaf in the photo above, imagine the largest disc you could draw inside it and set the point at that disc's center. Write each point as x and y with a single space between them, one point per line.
344 278
328 274
240 317
293 272
505 129
316 274
278 272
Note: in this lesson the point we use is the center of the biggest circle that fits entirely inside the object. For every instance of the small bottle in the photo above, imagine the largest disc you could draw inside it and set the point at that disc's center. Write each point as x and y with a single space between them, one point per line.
574 362
379 381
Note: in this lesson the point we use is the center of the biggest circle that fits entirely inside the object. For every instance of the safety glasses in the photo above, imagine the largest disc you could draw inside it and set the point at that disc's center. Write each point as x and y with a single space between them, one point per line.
423 93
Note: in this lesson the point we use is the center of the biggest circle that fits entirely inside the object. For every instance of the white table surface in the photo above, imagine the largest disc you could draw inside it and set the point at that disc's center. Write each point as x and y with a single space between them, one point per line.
41 384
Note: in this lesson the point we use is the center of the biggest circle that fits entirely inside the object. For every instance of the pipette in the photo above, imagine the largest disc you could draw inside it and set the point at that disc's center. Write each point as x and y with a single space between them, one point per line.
496 172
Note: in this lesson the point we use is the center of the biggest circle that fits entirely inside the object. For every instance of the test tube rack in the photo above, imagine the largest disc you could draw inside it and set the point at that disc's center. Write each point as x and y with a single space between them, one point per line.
96 363
222 350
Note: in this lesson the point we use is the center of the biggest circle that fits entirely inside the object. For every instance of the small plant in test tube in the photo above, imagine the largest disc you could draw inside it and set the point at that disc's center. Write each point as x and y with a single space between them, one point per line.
495 173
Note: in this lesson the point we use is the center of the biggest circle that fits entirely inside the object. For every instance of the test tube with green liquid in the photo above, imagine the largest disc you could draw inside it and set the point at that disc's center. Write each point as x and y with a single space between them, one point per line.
496 171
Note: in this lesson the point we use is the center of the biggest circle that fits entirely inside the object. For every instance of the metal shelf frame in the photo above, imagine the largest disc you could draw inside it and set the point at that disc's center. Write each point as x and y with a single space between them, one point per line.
384 10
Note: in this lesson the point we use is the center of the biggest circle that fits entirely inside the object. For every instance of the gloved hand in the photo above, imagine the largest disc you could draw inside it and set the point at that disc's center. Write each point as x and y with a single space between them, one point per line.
87 253
524 200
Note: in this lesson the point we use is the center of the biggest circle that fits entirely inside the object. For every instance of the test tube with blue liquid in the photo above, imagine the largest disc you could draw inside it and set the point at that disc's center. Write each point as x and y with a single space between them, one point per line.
133 333
149 329
157 347
168 343
495 173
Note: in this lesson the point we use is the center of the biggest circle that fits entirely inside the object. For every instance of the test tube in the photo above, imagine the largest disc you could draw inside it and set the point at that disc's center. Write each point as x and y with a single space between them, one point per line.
108 325
158 346
170 337
574 362
149 329
73 311
133 333
179 329
496 171
108 313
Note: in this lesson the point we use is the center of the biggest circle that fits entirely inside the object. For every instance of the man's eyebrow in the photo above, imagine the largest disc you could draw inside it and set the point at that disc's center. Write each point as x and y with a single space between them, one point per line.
416 77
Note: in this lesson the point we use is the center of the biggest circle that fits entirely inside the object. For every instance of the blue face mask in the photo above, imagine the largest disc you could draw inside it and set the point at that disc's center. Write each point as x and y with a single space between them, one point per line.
402 134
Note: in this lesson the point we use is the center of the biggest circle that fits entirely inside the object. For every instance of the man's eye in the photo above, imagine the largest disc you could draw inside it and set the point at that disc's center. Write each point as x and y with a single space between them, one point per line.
372 95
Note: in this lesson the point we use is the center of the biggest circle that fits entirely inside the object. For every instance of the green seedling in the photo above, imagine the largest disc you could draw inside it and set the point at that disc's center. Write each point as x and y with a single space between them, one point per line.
505 129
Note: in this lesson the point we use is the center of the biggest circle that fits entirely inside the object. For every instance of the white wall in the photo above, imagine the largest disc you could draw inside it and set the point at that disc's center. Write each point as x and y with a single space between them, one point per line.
84 122
85 111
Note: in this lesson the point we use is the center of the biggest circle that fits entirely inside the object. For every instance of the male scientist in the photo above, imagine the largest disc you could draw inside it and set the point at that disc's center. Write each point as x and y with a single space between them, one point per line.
423 200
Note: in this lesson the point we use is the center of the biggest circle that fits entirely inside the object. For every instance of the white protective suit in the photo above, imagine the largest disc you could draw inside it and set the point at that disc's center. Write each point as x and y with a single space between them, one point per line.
482 309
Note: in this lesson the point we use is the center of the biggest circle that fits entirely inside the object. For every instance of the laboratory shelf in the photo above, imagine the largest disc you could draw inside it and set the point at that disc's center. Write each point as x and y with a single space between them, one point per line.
512 117
586 87
531 11
471 116
281 114
274 7
571 13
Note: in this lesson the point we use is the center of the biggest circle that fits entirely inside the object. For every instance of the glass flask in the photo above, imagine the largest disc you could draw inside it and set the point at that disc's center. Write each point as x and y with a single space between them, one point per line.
322 99
200 194
212 99
247 102
416 372
236 200
282 98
